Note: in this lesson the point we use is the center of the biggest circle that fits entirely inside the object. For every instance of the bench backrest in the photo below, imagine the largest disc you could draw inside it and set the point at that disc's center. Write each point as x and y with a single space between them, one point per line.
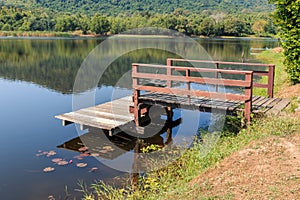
187 77
264 70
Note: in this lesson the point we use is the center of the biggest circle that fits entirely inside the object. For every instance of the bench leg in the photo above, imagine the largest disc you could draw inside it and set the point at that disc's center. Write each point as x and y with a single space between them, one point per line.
137 111
247 112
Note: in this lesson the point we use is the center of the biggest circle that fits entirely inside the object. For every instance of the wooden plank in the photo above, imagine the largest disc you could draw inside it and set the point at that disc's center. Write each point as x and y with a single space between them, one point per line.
182 92
267 103
257 101
108 116
279 107
261 102
195 102
115 112
219 62
254 98
212 81
192 69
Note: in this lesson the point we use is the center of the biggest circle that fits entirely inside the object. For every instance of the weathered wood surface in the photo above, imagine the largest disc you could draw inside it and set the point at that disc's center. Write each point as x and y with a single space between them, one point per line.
259 104
110 116
114 116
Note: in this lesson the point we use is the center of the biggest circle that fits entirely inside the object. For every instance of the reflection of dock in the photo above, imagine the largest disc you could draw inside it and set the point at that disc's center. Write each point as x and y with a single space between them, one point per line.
99 145
97 142
111 116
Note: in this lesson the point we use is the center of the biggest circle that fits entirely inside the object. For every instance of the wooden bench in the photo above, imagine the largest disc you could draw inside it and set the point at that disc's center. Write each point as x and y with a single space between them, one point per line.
165 75
267 70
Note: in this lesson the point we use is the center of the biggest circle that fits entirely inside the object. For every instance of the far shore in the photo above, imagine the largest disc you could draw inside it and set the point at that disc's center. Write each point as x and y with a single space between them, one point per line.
76 34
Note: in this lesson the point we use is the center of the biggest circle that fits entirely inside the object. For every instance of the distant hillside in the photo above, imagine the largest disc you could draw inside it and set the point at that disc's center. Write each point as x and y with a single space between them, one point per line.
114 7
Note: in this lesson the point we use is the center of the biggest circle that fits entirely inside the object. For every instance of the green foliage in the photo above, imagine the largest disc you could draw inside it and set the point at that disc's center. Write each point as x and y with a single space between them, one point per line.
206 23
99 24
287 16
115 7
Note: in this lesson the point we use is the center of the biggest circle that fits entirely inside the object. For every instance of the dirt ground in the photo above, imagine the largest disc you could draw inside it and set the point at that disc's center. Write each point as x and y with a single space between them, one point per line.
289 92
267 169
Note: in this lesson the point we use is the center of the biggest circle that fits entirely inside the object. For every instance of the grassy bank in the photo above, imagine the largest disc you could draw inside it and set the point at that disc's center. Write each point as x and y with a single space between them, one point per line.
281 78
174 181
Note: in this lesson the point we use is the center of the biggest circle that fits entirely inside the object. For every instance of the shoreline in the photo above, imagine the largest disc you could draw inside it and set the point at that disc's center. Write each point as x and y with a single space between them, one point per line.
75 35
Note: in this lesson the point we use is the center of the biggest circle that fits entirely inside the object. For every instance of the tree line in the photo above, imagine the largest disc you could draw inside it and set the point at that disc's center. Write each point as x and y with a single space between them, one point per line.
208 23
115 7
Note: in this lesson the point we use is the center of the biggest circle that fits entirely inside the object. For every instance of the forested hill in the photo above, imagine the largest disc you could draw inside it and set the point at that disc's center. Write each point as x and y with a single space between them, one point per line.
114 7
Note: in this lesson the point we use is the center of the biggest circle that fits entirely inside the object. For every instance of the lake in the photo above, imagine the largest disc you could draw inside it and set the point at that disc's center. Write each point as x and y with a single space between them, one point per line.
36 84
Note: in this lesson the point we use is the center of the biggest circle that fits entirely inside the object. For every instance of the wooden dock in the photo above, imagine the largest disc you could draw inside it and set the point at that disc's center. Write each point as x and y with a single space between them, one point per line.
112 116
132 113
261 105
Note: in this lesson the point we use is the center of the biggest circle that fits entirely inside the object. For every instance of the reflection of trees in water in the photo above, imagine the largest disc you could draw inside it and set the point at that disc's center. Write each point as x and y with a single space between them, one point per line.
54 63
50 63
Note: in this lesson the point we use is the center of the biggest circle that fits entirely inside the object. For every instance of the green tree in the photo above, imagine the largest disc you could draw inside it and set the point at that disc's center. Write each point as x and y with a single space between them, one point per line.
259 27
100 24
207 27
287 16
66 23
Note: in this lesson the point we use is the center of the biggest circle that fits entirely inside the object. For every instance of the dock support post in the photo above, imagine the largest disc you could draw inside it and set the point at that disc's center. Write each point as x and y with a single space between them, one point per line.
137 111
217 76
188 84
271 74
170 114
169 72
248 101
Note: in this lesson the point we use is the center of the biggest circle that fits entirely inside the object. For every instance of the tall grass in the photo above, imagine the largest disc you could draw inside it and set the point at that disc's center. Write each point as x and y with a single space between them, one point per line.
281 77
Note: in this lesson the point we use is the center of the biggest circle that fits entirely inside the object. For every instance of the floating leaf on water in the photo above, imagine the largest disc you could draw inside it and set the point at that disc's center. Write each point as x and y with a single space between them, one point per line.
51 153
84 154
40 151
94 154
62 162
78 157
82 149
93 169
103 151
56 160
48 169
39 154
81 165
45 152
107 147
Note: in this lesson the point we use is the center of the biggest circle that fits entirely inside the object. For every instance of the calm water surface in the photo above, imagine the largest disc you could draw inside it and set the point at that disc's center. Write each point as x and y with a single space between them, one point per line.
36 81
